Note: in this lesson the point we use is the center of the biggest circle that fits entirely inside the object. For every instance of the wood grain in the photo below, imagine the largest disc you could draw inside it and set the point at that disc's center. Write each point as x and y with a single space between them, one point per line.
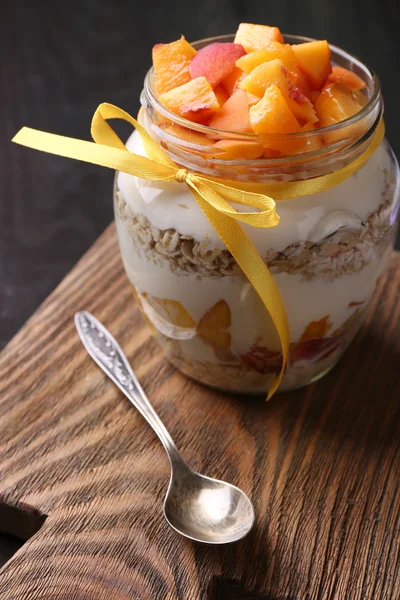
322 464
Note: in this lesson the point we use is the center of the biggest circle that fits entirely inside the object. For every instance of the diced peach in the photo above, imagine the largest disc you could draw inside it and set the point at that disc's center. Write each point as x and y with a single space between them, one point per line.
301 81
188 135
178 314
254 37
234 115
217 317
262 360
231 82
284 52
215 61
275 72
221 93
171 64
272 115
212 326
335 104
301 106
236 149
317 349
314 96
347 78
171 311
314 59
269 153
194 100
298 146
314 142
316 329
252 99
261 77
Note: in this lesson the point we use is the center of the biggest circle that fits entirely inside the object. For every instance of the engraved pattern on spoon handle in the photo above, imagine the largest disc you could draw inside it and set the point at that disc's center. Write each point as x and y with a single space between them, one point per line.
107 353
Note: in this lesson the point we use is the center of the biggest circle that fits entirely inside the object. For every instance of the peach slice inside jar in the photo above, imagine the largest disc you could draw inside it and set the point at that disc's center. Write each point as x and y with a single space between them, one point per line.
195 100
275 72
234 115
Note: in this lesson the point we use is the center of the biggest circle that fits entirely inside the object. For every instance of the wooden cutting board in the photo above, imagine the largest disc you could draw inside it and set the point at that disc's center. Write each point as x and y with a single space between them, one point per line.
82 477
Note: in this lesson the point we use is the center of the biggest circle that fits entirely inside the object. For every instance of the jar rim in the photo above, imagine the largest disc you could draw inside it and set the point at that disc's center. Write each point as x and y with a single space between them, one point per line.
373 86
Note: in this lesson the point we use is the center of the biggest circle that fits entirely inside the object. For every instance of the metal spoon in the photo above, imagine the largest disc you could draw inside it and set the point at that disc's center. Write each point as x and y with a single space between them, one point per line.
198 507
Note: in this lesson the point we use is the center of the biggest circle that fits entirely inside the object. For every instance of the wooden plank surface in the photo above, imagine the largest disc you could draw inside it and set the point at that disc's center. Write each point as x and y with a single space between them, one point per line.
83 477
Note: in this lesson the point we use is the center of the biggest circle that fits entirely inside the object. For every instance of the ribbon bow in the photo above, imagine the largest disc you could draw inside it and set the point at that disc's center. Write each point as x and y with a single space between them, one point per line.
212 196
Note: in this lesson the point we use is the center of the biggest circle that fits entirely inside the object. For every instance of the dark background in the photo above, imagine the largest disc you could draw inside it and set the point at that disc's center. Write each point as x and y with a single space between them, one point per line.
59 59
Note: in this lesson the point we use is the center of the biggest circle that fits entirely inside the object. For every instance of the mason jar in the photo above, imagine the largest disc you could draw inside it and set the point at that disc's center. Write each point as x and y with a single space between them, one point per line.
326 255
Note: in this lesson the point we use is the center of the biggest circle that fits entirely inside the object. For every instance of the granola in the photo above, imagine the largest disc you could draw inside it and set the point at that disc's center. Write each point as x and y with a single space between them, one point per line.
345 251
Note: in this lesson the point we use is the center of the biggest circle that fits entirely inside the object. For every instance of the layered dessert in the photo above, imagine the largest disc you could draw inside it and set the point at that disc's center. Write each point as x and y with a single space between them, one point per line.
237 103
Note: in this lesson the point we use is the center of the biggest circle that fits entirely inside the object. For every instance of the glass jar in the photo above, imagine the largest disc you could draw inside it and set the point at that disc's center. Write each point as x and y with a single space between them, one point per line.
326 254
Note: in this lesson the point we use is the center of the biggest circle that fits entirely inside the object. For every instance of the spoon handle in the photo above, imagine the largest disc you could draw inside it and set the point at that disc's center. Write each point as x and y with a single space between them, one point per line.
107 353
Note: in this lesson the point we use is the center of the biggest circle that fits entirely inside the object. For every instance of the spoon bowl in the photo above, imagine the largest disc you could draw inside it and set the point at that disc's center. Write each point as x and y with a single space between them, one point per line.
207 510
198 507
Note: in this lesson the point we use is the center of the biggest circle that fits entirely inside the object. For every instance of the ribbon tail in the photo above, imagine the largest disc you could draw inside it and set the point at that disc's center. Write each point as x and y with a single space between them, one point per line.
255 270
117 159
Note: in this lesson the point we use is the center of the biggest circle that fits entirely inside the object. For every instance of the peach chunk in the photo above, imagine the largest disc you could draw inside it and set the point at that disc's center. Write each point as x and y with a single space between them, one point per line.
231 82
215 61
171 311
261 77
314 95
188 135
275 72
252 99
314 142
212 326
254 37
269 153
236 149
301 106
272 115
284 52
301 81
171 64
314 59
347 78
335 104
316 329
234 115
221 93
194 100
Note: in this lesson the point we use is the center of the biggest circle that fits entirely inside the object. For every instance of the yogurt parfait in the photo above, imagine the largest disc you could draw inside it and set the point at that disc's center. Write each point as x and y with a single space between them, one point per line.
259 109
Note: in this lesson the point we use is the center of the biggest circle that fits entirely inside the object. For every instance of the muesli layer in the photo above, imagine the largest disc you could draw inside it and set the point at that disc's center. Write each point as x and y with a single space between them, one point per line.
344 252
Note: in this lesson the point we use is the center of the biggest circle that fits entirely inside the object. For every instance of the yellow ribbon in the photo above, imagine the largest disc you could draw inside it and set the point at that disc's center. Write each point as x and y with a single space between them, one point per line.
212 196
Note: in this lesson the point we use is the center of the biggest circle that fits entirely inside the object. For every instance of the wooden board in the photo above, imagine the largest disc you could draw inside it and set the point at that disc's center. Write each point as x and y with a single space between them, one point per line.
83 477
